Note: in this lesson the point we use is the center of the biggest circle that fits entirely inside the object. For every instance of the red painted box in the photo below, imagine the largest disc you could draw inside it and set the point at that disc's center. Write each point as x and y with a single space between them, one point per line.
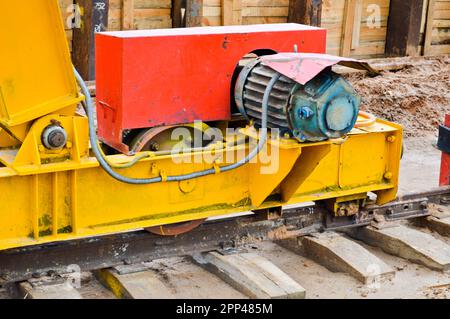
173 76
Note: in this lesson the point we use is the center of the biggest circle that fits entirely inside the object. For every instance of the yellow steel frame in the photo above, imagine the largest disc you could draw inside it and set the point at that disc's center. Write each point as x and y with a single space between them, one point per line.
48 196
44 200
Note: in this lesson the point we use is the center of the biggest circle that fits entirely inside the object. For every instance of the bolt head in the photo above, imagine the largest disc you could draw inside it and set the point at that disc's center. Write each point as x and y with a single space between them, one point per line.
391 139
54 137
305 113
423 205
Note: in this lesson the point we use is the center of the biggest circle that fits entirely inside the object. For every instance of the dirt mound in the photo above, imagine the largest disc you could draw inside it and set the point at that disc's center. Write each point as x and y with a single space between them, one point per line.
416 96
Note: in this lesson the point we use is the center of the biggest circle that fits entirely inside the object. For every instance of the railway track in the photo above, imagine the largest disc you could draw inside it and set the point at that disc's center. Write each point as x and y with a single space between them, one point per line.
136 264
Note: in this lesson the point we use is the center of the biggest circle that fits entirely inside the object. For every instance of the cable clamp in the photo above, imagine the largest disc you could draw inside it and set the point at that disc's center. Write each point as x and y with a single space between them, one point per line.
163 175
217 168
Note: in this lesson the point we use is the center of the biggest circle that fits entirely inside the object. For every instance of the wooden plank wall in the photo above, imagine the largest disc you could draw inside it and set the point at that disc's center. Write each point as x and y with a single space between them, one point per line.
139 14
437 29
356 28
129 14
229 12
366 40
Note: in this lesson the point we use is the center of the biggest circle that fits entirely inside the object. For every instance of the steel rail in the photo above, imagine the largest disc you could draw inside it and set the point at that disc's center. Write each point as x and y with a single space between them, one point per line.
127 248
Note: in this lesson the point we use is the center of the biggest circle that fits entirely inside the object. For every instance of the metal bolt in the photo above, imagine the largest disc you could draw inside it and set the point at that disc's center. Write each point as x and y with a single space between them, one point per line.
391 138
154 146
388 175
305 113
423 205
54 137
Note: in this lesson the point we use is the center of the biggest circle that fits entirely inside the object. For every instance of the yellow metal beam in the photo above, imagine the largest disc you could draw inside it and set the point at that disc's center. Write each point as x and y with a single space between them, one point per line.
74 197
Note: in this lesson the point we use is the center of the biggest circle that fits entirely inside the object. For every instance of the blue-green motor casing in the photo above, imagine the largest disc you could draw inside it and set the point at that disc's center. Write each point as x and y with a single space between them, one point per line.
325 107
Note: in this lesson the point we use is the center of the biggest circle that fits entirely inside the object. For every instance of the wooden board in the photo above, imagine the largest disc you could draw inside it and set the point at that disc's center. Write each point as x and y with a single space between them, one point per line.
305 12
235 12
340 254
253 275
437 28
139 14
138 285
404 27
49 292
439 225
356 28
194 13
407 243
231 12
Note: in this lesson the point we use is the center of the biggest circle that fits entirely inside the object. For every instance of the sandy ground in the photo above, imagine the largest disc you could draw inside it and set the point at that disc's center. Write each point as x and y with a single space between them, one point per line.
417 95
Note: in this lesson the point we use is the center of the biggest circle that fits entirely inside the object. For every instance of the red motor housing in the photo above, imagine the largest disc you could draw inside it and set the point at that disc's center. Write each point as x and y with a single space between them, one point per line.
164 77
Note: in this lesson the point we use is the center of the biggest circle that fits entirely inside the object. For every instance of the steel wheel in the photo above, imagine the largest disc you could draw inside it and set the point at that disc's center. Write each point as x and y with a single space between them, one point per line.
160 139
175 229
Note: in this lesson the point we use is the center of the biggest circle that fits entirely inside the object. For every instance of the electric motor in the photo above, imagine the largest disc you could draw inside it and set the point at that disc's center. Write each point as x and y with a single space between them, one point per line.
325 107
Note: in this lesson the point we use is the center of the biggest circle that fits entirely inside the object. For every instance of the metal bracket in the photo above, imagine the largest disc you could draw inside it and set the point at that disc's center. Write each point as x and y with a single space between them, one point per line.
390 212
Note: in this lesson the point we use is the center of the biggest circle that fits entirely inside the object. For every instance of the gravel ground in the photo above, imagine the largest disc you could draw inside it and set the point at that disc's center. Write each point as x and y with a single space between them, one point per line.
417 95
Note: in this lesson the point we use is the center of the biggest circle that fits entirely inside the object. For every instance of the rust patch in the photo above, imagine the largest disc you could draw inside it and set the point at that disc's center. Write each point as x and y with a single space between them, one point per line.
279 233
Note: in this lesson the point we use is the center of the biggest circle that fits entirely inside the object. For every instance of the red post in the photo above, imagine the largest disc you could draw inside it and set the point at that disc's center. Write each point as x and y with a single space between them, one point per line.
444 179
